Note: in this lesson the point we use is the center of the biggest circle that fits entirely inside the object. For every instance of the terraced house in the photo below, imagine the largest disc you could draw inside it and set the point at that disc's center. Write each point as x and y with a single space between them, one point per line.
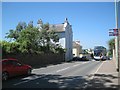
64 31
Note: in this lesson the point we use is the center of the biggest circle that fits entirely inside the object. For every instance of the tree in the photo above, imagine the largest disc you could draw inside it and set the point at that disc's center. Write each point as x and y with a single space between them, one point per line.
47 38
45 26
31 40
30 24
21 26
27 39
9 47
25 36
111 44
14 34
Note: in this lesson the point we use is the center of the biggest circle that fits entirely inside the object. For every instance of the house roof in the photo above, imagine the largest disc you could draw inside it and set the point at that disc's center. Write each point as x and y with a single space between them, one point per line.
75 44
57 27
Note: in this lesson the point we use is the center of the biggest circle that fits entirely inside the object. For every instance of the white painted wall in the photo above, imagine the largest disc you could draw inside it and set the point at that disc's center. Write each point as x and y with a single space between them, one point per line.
62 42
69 37
62 39
75 52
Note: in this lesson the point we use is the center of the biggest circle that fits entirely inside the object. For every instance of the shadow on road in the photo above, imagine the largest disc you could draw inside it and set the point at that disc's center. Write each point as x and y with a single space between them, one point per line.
59 82
103 80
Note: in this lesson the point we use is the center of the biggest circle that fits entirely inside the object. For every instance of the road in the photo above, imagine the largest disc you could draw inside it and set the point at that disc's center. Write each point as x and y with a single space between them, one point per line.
76 74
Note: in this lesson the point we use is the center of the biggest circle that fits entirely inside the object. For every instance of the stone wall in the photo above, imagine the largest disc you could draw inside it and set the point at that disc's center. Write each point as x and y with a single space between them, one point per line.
38 60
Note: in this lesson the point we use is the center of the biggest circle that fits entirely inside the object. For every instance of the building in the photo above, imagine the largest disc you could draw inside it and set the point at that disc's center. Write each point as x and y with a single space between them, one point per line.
64 31
77 48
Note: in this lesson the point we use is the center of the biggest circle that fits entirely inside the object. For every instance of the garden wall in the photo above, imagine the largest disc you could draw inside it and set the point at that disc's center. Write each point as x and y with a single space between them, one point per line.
37 60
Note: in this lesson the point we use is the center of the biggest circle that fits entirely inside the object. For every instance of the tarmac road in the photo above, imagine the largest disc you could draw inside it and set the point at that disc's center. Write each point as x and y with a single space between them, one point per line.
75 75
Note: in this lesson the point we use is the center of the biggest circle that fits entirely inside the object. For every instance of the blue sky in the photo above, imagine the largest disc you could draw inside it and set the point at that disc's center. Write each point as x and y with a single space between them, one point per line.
90 21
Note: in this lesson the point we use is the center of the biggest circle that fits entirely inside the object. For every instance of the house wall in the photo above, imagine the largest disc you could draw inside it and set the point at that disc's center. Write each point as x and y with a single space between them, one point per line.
65 40
80 49
62 39
71 41
69 47
75 52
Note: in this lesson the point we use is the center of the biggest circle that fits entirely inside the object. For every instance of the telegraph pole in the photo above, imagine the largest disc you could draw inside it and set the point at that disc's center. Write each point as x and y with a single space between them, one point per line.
118 23
117 37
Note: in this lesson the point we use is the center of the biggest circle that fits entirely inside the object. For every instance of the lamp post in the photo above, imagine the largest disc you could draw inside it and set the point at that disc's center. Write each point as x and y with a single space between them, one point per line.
117 37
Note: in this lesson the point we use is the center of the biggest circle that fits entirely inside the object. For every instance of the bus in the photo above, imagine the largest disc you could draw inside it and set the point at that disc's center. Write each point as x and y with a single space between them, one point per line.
98 50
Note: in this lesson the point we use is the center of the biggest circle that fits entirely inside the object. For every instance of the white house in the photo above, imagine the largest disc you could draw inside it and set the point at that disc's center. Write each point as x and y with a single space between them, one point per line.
77 48
64 31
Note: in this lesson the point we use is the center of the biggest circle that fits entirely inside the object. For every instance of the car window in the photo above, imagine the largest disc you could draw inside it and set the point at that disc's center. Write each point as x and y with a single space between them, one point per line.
7 63
11 62
16 63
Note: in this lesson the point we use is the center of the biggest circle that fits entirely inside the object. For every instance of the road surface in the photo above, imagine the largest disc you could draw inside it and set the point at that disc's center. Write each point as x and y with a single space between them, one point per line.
76 74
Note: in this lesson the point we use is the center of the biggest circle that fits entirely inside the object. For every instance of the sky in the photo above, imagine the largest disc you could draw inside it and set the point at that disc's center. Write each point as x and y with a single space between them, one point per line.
90 21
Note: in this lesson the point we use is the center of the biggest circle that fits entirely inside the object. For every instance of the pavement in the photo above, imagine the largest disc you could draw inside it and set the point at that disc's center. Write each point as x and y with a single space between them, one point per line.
105 76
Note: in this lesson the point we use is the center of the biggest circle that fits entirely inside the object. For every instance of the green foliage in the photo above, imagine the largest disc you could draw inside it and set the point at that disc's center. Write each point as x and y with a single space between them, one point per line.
28 39
111 44
84 51
21 26
59 50
14 34
30 24
9 47
45 26
47 39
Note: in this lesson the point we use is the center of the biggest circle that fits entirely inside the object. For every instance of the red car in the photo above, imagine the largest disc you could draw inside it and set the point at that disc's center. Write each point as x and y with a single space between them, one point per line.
12 67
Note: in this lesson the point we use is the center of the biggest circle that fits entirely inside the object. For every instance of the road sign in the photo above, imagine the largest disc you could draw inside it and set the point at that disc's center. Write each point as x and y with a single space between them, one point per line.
113 32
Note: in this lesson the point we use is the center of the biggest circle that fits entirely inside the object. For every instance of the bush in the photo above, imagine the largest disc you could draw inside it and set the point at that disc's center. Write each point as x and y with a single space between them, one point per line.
8 47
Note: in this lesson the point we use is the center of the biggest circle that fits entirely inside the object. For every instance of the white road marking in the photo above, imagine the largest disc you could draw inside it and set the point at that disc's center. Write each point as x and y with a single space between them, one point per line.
70 67
96 70
85 62
62 69
76 65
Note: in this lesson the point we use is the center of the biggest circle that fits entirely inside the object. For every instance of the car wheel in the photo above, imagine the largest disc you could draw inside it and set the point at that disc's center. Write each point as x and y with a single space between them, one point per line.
5 76
29 71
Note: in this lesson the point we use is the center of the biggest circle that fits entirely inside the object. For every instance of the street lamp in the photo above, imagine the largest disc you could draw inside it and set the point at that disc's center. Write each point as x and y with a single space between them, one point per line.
117 37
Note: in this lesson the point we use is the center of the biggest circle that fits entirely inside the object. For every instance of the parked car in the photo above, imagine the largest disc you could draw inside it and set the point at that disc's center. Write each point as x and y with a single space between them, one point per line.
108 58
84 58
76 58
104 58
12 67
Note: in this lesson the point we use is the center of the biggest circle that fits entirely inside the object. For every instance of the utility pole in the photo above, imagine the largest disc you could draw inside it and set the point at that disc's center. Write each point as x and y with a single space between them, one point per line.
119 34
117 37
118 19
